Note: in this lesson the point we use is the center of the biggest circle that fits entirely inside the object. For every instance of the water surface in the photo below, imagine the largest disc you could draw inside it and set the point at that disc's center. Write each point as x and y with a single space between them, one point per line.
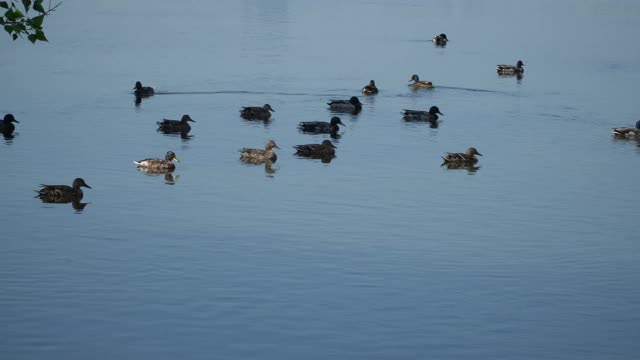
380 253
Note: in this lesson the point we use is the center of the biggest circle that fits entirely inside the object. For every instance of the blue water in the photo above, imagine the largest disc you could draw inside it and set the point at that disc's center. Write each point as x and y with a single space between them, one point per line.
380 253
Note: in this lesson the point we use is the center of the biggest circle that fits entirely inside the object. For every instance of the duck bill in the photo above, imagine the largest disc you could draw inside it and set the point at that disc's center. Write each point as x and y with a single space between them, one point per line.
176 159
191 120
440 113
276 146
87 186
16 121
477 153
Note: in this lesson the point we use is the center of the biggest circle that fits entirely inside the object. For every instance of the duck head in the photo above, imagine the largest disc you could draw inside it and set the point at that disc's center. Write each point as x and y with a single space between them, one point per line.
372 83
415 78
171 156
434 110
138 86
271 144
335 121
472 151
354 100
9 119
79 182
186 118
519 64
328 143
268 107
638 125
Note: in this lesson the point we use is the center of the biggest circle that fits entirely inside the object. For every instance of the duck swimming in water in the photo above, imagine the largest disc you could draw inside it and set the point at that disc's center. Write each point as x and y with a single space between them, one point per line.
62 193
440 40
628 133
321 127
156 165
6 124
462 158
353 105
326 149
142 91
257 156
419 84
370 89
419 115
175 126
510 69
256 112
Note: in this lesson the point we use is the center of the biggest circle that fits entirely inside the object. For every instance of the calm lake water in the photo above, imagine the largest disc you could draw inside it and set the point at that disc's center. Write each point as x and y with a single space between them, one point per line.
379 254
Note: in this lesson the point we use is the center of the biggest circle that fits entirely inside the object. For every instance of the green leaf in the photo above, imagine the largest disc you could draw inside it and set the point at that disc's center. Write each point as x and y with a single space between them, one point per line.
10 15
26 4
4 4
40 35
32 38
37 6
15 36
36 22
18 13
8 29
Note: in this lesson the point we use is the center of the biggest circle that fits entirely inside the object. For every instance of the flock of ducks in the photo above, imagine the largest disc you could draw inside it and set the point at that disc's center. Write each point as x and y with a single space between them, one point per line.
324 151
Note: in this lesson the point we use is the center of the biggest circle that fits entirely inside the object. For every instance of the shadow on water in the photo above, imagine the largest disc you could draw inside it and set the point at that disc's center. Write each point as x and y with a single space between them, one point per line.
269 170
169 177
471 168
257 122
9 136
325 159
182 135
77 204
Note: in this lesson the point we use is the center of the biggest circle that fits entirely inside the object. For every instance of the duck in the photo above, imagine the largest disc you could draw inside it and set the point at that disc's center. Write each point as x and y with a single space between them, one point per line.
258 156
321 127
6 125
419 115
419 84
326 149
142 91
510 69
370 89
62 193
462 158
353 105
627 132
256 112
440 40
181 126
158 164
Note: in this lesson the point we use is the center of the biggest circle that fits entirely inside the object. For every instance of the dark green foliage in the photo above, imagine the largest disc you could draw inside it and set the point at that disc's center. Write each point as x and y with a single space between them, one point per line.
17 22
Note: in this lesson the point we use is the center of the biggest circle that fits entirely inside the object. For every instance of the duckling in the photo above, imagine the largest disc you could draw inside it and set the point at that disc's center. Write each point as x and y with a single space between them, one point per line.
175 126
257 156
440 40
510 69
627 132
6 126
326 149
155 165
466 158
419 84
256 112
370 89
142 91
62 193
419 115
321 127
353 105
